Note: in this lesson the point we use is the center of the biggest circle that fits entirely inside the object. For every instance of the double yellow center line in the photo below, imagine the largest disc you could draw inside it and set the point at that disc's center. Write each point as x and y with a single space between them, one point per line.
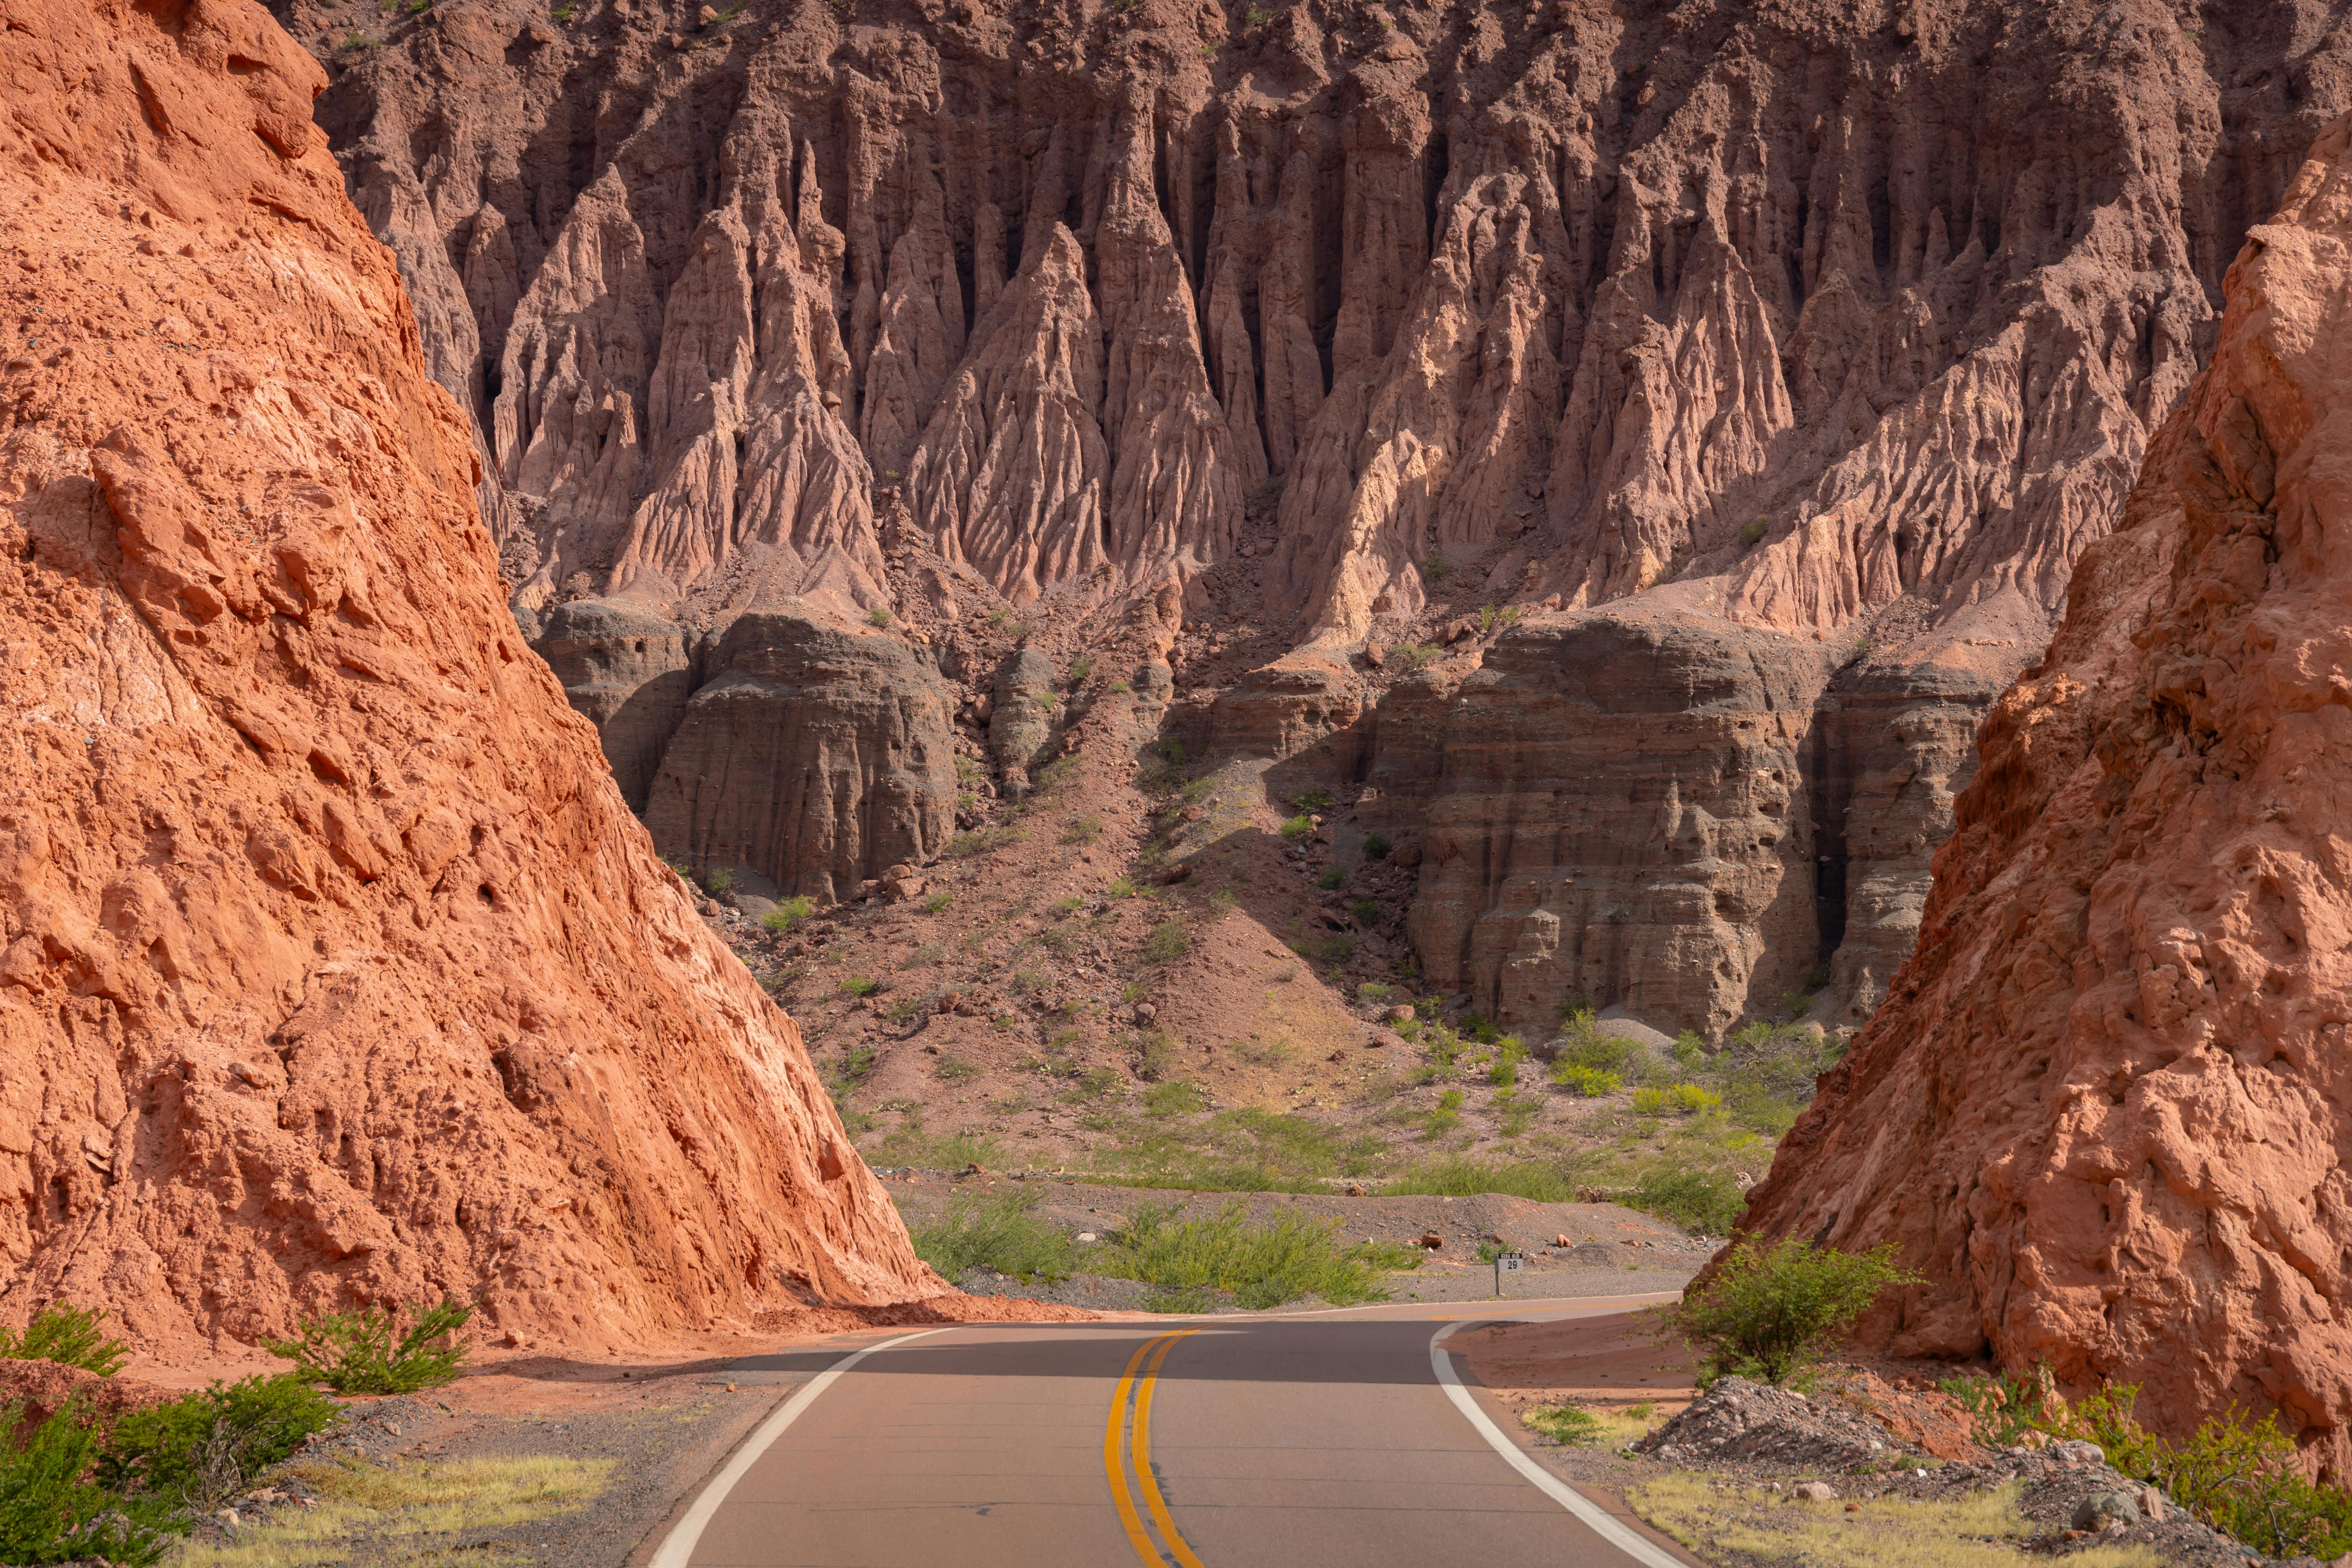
1115 1459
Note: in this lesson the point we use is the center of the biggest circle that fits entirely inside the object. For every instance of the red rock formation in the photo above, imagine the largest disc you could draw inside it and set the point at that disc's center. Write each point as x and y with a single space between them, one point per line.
1585 291
332 965
2102 1108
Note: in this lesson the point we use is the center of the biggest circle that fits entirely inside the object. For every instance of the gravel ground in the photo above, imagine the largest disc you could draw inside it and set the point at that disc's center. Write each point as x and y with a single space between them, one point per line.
1743 1433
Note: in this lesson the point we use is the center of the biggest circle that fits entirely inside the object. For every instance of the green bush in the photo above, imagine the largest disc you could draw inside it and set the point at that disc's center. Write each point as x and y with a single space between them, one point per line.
1312 800
1083 830
1753 532
877 617
1080 668
1503 1072
69 1335
1297 828
1704 1201
203 1449
1464 1177
1683 1098
1566 1424
858 985
1332 877
1260 1266
1167 942
938 903
721 879
994 1231
51 1512
1378 848
981 841
789 913
354 1352
1589 1083
1770 1311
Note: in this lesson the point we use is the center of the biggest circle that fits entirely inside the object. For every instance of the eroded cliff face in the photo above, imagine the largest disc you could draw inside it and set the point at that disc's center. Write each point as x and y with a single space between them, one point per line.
1833 307
332 966
2102 1108
1197 328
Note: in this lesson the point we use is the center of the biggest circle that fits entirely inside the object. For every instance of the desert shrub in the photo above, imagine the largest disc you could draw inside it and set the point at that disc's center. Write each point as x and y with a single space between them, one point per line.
789 913
200 1449
1372 993
858 985
1332 876
1436 568
877 617
721 880
1297 828
1312 800
1121 888
1167 942
1683 1100
1414 655
1503 1072
354 1352
1754 532
1080 667
994 1231
1708 1202
66 1334
1083 830
981 841
1589 1083
1565 1424
937 904
50 1511
1260 1266
1771 1309
1178 1096
954 1069
1464 1177
1378 848
1582 1044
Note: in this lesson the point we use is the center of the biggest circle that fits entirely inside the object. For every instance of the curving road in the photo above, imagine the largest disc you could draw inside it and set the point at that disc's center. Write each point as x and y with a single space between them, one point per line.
1324 1440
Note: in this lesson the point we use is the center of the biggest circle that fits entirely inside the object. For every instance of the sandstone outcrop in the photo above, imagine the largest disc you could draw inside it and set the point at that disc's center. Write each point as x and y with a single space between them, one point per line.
814 757
1623 814
627 671
2101 1107
332 967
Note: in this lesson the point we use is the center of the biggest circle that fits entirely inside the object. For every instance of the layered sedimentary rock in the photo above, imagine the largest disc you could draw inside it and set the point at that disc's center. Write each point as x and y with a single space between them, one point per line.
332 967
1836 309
2102 1108
814 757
627 671
1622 815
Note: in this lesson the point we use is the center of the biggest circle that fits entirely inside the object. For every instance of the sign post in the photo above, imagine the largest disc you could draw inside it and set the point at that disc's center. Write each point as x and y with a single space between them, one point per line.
1506 1263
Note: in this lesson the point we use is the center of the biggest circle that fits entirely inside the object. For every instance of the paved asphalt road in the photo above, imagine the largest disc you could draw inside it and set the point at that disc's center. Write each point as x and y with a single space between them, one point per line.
1323 1440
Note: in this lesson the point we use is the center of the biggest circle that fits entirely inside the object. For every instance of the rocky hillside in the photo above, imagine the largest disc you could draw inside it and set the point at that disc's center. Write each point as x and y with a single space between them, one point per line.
2100 1109
1256 342
333 969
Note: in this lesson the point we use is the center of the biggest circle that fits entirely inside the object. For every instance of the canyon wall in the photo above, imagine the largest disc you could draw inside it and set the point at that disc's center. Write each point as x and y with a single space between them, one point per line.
1304 330
334 968
2102 1108
1835 306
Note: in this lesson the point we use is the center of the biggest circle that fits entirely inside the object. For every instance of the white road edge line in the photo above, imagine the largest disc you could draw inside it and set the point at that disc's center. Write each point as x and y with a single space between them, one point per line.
1601 1523
678 1550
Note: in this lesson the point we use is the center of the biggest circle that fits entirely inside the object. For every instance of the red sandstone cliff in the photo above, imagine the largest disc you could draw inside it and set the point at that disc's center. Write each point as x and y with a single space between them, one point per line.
2104 1107
333 965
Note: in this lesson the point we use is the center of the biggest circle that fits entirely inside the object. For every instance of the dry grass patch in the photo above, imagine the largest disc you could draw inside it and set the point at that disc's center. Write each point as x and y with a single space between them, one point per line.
1982 1530
398 1513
